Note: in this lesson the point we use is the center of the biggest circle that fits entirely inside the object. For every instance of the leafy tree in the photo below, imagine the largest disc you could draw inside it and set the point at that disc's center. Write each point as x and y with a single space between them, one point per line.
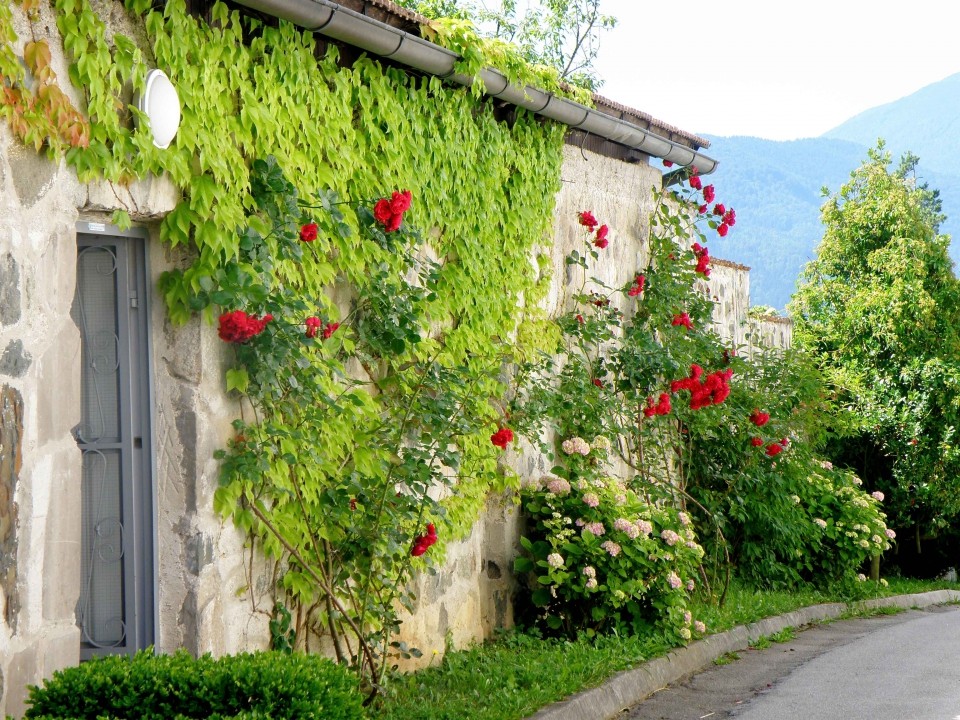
562 34
879 308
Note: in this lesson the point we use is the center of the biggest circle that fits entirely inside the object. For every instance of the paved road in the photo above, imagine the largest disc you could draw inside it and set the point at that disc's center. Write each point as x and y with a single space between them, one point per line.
898 667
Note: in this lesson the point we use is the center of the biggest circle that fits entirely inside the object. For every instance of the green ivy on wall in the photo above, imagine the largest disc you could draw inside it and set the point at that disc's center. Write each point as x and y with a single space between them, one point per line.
484 190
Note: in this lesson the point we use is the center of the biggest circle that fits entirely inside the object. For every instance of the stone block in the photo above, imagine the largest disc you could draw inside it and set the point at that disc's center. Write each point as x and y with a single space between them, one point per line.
35 173
147 199
11 460
61 647
24 669
61 557
58 392
9 289
15 361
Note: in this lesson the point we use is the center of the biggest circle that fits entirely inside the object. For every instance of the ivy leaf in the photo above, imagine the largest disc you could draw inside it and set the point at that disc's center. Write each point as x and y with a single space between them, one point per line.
237 379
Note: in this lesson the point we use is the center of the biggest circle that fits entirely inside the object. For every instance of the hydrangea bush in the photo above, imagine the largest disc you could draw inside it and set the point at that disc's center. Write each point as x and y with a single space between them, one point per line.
599 557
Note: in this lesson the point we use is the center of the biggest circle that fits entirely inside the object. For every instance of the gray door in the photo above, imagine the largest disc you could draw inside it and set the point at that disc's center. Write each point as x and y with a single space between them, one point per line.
116 608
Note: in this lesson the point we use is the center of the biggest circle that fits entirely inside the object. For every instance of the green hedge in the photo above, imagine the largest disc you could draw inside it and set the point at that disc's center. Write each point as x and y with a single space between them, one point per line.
261 686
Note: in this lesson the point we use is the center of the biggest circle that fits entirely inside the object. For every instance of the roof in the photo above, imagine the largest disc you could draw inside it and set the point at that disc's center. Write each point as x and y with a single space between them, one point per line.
392 14
728 263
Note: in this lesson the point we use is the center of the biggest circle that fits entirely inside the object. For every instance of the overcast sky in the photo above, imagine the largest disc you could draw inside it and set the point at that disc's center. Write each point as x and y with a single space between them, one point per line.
778 70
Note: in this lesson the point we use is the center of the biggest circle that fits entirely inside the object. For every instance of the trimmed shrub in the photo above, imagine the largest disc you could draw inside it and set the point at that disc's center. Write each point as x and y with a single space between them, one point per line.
261 686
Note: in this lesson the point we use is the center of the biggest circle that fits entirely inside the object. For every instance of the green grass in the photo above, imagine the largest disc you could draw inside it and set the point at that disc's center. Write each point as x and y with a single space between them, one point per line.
726 658
517 674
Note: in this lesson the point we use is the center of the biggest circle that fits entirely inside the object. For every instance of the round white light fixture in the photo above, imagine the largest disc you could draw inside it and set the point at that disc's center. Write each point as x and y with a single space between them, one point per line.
160 103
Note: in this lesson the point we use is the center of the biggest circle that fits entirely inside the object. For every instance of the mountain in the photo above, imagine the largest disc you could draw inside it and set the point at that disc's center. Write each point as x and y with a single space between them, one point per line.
776 186
927 123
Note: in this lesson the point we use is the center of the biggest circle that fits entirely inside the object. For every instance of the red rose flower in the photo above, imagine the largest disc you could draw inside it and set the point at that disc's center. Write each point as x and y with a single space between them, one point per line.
601 239
389 211
774 449
580 319
308 232
637 286
382 211
702 209
719 209
238 326
313 324
708 194
400 202
502 437
756 442
587 219
353 503
667 163
722 229
422 543
329 329
683 319
759 418
730 217
696 183
598 382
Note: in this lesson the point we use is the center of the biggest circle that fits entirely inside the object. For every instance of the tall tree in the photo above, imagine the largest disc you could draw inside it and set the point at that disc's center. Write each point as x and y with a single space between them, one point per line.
880 309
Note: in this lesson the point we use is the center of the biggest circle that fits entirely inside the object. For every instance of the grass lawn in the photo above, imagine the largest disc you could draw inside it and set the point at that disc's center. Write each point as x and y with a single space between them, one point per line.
517 674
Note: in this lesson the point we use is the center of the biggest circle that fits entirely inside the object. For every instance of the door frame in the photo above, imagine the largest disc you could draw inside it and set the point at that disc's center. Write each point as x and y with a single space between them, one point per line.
140 505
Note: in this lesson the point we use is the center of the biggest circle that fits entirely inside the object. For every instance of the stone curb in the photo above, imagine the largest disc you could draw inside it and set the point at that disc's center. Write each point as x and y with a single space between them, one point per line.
630 687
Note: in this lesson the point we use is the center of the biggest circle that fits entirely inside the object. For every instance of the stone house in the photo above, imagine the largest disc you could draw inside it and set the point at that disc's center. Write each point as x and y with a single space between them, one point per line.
110 416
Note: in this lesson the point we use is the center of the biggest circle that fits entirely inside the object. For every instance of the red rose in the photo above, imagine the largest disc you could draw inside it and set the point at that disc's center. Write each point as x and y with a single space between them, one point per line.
722 229
667 163
587 219
683 319
313 324
238 327
329 329
719 209
756 442
730 217
400 202
601 240
308 232
353 503
580 319
702 209
708 194
598 382
502 437
382 211
774 449
759 418
696 183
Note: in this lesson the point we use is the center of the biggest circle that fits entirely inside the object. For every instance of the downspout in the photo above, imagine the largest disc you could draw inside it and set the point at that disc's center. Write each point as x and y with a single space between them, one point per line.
353 28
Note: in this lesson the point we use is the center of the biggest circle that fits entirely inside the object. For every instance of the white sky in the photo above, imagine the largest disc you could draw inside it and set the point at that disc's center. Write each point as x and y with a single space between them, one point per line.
773 69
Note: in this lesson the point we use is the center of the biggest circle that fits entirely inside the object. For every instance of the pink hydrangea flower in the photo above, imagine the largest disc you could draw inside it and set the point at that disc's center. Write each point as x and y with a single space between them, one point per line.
611 547
626 527
877 495
674 580
595 528
591 499
670 537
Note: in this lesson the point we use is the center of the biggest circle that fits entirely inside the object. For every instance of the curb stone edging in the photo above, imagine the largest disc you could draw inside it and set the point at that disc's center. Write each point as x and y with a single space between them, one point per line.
630 687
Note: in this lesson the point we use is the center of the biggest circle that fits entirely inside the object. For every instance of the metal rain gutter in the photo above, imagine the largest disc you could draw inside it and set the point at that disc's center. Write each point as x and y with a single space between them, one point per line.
353 28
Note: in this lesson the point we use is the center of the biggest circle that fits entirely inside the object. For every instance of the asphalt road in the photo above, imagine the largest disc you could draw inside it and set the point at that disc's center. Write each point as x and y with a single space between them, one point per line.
895 667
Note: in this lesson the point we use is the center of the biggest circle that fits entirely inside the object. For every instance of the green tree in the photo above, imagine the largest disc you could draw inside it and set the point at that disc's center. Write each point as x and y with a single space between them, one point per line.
562 34
879 309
